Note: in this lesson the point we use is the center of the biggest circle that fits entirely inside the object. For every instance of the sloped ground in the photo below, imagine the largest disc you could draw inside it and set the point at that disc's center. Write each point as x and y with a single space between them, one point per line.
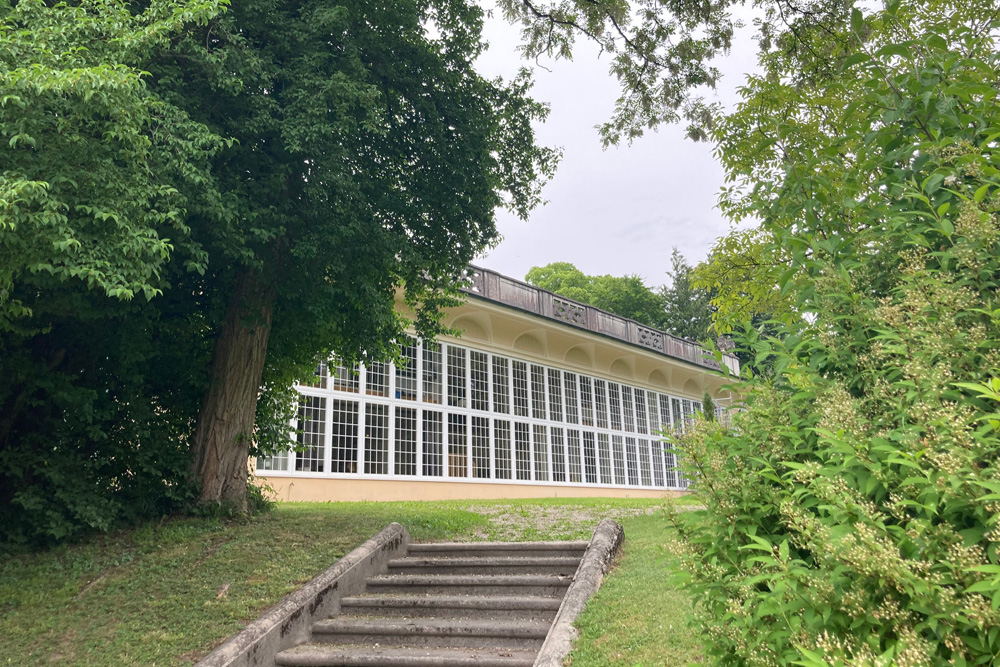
166 593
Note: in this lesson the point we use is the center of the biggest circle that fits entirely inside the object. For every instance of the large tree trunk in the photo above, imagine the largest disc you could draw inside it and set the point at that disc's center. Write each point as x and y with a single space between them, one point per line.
226 419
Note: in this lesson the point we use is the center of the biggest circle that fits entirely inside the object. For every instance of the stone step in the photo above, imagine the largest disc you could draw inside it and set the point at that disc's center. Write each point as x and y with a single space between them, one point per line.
432 632
536 607
565 565
329 655
470 584
497 549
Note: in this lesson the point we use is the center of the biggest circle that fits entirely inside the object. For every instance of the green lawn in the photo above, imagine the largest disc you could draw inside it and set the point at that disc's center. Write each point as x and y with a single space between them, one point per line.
166 593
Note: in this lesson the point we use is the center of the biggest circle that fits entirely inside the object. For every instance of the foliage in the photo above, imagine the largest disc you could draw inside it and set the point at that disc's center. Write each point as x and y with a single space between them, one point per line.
687 306
662 54
325 155
742 273
92 406
682 308
626 296
708 406
91 159
852 514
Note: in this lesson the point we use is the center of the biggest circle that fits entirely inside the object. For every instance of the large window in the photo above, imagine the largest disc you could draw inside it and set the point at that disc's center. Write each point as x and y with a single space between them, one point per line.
451 412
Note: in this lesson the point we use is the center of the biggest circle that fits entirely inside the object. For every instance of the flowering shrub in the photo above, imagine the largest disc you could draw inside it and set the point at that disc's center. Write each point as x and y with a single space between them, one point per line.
853 512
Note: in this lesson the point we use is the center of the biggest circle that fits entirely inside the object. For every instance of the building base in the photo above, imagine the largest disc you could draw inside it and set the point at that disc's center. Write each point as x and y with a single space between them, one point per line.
311 489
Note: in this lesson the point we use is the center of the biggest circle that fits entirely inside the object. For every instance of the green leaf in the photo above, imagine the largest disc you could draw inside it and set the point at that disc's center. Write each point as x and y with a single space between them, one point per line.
854 59
857 21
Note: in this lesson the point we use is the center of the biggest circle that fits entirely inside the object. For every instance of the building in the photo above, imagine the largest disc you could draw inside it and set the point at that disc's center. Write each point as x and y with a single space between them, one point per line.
541 396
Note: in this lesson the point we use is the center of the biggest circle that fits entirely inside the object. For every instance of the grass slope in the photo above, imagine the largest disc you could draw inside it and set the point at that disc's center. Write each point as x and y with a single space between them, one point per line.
166 593
637 618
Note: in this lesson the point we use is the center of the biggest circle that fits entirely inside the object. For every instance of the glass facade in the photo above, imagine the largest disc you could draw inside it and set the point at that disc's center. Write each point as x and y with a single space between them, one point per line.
451 412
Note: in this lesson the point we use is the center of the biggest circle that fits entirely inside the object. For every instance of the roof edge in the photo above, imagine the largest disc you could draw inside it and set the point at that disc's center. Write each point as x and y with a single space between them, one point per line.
497 288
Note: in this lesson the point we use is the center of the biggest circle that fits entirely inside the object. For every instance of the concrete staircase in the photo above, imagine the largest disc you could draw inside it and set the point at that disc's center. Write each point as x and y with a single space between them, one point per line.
448 605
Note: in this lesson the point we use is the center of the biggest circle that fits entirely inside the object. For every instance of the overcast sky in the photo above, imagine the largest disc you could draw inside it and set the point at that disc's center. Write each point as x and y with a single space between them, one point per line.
617 211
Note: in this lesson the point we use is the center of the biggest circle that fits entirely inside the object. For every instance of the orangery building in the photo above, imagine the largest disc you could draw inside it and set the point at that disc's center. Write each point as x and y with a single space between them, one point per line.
540 396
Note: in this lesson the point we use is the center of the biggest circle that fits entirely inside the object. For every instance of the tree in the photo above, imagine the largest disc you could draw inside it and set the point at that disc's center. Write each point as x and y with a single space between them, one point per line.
93 408
88 191
849 516
307 160
662 54
687 307
742 273
370 155
626 296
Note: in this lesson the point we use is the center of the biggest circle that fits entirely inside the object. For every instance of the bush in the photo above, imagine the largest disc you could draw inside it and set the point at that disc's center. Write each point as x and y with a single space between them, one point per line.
853 512
93 421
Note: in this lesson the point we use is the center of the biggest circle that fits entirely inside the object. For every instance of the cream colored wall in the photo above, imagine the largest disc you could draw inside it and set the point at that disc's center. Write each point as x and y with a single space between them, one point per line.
314 489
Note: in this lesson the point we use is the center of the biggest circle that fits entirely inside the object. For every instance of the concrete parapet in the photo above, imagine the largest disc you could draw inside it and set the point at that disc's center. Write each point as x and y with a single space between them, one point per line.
600 554
290 621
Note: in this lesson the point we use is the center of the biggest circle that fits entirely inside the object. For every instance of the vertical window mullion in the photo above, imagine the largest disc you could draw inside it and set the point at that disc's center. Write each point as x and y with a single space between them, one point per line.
513 413
445 427
359 463
531 444
490 420
328 438
292 452
468 404
419 364
468 443
545 399
390 437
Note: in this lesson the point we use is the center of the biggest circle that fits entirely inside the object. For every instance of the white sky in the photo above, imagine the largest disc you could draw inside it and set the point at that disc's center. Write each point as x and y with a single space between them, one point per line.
618 211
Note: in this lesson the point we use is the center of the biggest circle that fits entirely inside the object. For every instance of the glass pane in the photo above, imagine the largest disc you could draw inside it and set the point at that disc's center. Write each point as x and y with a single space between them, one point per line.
627 408
558 456
433 442
541 447
586 401
616 406
406 372
501 446
376 439
537 392
458 448
479 366
589 458
344 436
618 455
640 410
481 447
601 403
573 449
344 378
406 441
522 451
311 434
456 376
501 386
555 395
604 457
432 372
569 384
520 388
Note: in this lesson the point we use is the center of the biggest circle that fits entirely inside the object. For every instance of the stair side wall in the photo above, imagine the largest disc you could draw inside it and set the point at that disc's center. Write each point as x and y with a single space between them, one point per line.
290 621
604 547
